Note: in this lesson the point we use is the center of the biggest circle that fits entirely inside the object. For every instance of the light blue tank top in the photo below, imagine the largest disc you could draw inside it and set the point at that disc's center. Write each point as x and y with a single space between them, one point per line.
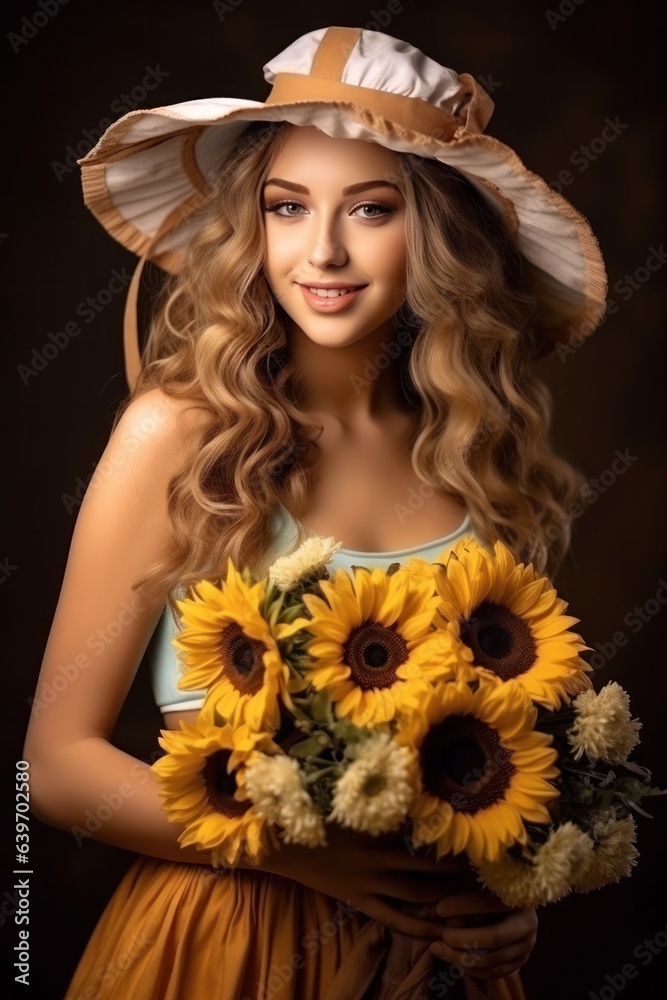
161 655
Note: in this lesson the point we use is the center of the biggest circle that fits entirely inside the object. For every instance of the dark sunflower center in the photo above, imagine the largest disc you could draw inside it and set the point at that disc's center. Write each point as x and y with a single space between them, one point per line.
500 640
242 659
464 762
373 653
220 786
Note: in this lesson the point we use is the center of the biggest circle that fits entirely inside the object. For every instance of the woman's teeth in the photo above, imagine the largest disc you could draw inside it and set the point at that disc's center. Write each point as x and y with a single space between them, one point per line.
330 293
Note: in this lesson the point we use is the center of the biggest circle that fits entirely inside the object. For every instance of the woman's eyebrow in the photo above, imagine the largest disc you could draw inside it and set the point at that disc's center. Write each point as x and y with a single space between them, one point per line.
352 189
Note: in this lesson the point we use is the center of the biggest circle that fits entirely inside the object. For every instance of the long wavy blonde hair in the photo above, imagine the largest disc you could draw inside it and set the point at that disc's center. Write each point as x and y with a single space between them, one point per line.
219 339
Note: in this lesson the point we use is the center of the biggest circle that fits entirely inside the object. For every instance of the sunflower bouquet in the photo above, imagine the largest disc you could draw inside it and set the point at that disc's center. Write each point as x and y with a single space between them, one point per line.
446 700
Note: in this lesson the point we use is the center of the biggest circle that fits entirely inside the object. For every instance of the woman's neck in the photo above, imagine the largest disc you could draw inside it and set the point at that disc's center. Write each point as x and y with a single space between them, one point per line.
358 383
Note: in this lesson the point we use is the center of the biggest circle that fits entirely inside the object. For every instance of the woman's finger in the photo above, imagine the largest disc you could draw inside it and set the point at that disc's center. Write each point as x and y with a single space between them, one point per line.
382 909
487 964
511 928
429 912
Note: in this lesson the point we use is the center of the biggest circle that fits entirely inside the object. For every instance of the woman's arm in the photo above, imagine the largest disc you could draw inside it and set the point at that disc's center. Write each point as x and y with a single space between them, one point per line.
79 780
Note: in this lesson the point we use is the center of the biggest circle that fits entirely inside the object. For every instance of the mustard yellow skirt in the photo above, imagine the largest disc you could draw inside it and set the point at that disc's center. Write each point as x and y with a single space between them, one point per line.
181 932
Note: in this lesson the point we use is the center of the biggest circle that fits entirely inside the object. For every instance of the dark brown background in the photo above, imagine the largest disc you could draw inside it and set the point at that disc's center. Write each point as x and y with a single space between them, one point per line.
553 87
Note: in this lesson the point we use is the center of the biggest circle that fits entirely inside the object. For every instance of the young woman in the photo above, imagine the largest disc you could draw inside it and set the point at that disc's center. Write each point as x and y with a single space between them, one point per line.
345 346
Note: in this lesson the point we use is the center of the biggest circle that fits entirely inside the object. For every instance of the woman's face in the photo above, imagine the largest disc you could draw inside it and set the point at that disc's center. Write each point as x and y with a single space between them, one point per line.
318 232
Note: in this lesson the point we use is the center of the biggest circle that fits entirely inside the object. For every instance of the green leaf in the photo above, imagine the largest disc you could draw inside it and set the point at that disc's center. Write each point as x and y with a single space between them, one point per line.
320 707
306 748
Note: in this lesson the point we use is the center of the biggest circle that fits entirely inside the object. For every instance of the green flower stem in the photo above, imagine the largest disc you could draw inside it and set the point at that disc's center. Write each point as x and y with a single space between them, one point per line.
556 729
556 717
293 611
275 607
320 772
631 804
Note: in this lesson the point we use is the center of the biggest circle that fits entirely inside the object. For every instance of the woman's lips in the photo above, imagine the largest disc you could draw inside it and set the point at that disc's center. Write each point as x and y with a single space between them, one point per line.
330 304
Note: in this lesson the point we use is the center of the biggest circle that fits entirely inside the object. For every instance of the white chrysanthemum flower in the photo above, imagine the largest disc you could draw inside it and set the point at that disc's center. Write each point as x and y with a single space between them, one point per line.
308 559
614 854
544 878
374 792
275 786
603 727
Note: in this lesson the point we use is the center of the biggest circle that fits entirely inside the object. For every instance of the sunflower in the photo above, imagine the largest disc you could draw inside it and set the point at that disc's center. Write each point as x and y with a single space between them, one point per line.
374 648
509 622
202 779
482 769
226 641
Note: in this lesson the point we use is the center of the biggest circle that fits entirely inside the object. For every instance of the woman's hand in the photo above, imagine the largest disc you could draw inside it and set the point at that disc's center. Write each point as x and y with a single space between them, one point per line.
376 875
507 942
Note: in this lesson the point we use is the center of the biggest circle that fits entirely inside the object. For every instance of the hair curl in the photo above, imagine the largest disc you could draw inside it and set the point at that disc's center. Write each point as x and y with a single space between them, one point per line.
219 340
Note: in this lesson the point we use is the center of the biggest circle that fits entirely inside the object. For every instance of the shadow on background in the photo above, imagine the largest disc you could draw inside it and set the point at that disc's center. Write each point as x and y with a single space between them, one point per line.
558 76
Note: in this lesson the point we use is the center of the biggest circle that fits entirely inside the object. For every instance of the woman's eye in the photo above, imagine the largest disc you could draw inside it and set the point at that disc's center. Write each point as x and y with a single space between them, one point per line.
375 207
384 209
283 204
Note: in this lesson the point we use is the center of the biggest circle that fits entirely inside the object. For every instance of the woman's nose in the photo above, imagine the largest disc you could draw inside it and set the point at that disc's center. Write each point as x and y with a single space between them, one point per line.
327 248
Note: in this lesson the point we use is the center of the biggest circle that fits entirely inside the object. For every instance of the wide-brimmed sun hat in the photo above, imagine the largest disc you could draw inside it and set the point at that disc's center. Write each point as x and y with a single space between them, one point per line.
152 168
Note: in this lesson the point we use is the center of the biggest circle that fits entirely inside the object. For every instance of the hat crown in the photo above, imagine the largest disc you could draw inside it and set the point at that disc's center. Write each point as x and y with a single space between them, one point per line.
365 58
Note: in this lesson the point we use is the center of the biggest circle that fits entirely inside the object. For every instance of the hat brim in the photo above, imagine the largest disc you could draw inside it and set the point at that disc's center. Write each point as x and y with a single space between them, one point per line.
151 168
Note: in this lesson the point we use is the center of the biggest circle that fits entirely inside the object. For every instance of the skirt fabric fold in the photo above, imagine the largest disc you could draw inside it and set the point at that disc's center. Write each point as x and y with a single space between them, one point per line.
183 932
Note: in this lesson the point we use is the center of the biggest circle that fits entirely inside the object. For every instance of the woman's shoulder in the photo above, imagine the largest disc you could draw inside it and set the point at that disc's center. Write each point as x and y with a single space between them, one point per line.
157 420
127 500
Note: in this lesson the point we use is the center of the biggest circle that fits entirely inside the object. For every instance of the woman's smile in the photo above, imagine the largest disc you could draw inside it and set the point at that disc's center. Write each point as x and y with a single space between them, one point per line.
331 301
